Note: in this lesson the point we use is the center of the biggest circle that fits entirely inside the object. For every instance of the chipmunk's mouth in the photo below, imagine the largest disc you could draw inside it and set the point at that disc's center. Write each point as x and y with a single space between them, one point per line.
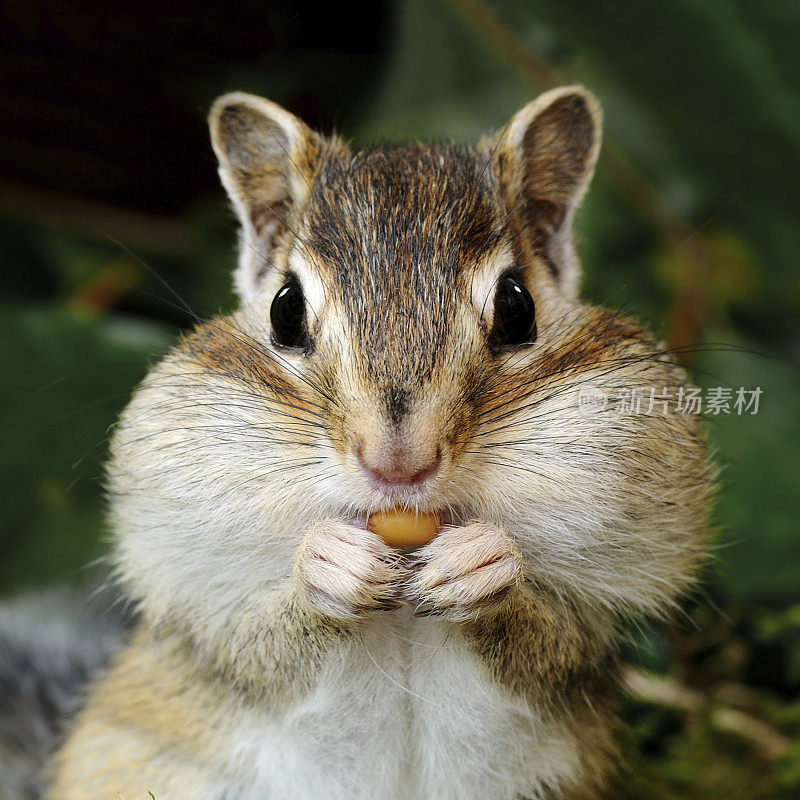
424 496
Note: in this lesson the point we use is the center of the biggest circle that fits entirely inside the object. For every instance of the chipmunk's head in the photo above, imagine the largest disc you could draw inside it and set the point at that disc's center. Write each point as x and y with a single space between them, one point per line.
395 281
409 334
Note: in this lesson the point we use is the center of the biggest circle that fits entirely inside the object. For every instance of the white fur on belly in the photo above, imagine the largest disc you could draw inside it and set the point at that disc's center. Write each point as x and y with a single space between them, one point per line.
406 713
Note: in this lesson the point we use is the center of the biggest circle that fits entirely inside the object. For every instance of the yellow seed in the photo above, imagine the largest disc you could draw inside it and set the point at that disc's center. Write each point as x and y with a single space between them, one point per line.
400 528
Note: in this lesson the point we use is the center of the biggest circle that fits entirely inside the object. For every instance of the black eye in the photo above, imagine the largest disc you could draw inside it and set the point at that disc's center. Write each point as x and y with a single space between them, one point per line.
288 316
514 314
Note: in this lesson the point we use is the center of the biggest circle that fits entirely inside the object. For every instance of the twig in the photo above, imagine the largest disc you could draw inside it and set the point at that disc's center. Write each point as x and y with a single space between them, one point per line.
667 692
689 304
154 234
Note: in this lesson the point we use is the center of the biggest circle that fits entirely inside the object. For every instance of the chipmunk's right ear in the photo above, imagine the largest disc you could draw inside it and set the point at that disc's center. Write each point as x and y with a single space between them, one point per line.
547 154
267 160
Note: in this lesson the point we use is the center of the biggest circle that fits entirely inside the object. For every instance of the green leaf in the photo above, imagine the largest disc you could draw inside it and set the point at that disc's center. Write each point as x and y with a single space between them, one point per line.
67 378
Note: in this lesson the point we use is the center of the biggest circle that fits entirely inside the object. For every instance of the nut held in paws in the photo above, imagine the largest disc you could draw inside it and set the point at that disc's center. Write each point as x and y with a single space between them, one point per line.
400 528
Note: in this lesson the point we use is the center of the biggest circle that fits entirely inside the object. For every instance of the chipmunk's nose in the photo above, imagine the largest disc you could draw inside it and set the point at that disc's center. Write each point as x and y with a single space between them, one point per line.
395 467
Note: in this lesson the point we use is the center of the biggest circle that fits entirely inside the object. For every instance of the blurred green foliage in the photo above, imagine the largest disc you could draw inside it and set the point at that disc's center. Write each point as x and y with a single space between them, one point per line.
691 225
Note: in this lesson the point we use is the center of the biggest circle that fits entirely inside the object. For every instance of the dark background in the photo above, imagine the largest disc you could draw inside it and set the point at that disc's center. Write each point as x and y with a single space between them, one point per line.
108 192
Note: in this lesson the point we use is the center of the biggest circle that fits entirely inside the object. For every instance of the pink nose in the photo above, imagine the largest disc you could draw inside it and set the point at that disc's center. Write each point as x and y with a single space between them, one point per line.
400 469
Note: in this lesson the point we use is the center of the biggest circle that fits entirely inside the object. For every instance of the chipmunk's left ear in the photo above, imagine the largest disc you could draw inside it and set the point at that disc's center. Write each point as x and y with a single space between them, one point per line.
267 160
546 156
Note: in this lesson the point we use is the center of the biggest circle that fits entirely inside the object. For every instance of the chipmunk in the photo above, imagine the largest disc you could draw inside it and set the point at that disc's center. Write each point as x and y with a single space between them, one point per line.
409 335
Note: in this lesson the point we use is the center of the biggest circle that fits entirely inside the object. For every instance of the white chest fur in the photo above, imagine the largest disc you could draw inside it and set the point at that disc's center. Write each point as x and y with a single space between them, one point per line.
405 713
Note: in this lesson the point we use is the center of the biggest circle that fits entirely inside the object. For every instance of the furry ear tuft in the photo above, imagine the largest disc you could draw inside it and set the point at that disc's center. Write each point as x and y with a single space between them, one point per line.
267 160
547 156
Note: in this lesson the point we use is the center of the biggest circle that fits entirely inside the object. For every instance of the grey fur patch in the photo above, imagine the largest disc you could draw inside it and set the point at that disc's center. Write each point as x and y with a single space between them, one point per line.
50 644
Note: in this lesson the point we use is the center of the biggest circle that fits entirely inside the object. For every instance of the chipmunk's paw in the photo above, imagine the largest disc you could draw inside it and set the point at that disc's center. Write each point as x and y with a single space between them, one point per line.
463 572
345 571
